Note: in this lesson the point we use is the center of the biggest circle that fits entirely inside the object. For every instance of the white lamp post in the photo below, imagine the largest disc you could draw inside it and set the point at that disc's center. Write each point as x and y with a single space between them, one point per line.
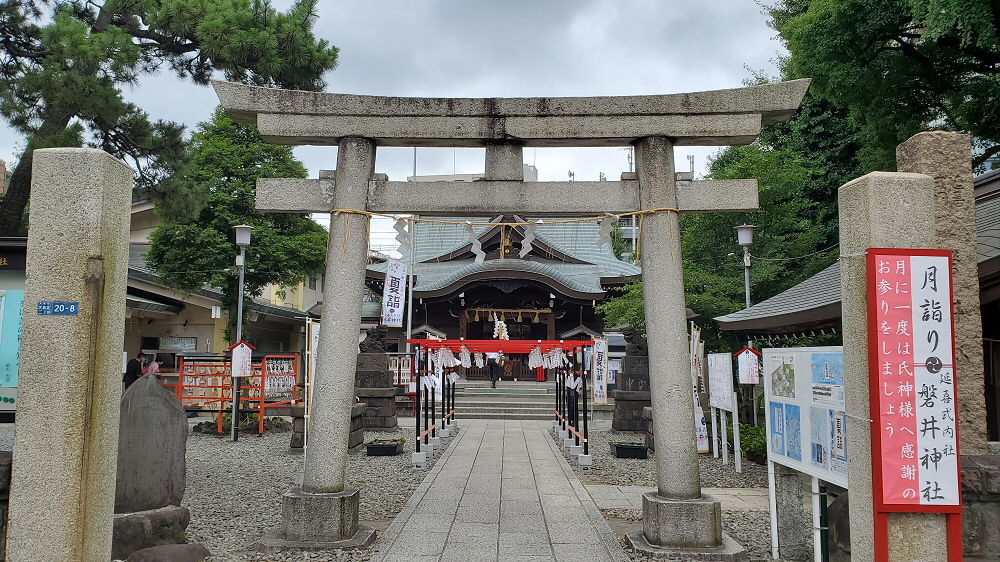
744 235
242 240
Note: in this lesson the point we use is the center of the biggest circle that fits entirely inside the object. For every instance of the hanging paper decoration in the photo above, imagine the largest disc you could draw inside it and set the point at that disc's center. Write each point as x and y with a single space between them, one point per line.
480 361
535 358
529 237
477 245
403 237
557 358
464 357
500 327
604 228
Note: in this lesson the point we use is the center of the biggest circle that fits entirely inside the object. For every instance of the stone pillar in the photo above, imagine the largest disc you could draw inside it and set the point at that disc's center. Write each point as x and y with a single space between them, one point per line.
947 157
677 515
323 512
879 210
66 446
794 524
504 161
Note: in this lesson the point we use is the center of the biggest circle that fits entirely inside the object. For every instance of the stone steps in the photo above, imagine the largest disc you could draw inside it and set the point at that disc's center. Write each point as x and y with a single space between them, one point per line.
502 416
505 403
502 409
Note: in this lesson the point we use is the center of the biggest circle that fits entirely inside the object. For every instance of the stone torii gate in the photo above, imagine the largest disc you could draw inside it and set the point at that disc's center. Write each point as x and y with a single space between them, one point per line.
677 516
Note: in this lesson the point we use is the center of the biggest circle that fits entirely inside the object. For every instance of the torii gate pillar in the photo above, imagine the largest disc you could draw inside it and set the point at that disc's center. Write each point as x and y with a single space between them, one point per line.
323 512
677 516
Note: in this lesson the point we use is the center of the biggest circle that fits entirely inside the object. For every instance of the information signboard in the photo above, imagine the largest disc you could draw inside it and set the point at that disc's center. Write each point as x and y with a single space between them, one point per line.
912 373
720 381
806 412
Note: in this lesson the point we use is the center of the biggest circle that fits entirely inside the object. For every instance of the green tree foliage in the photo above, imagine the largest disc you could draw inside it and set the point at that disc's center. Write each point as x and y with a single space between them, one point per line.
620 247
192 251
899 66
786 228
799 166
64 64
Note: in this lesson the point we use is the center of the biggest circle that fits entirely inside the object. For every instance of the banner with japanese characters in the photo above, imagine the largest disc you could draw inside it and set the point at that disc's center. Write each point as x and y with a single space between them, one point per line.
600 370
394 294
806 414
911 358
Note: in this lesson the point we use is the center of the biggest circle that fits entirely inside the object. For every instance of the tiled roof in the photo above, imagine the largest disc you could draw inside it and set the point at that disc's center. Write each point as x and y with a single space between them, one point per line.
576 240
822 289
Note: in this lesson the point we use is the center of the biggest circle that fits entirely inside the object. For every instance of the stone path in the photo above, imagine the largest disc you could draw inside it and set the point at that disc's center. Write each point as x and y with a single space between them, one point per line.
630 497
502 491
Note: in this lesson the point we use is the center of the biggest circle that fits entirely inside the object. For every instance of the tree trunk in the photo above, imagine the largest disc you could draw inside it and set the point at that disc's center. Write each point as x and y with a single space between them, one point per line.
12 205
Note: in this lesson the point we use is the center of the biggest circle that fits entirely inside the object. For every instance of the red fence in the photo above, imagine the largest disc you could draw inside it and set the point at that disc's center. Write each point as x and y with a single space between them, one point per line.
206 383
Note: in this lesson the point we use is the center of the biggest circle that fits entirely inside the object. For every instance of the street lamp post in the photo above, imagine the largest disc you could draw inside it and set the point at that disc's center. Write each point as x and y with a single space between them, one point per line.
744 235
242 240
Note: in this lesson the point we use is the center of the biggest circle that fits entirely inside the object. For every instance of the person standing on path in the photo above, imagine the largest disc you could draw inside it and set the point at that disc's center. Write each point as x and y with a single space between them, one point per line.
133 370
494 368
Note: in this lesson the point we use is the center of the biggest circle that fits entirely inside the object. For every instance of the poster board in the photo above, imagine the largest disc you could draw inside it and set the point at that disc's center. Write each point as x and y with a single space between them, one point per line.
806 414
912 372
720 381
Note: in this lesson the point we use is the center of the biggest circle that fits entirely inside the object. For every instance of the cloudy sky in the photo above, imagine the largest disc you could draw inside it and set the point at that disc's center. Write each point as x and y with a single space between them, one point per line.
511 48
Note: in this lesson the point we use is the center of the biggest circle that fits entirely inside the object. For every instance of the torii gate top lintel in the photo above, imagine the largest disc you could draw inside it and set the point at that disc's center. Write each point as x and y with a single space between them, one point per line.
709 118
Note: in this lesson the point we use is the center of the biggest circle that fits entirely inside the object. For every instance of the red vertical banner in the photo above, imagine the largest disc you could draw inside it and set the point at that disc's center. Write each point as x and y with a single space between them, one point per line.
911 352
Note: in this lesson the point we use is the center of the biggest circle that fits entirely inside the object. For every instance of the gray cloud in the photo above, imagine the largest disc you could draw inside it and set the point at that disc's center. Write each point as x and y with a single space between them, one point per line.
510 48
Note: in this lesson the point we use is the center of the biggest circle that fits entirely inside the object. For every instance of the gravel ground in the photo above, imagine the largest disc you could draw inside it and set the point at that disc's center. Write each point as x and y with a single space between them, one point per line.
234 491
642 472
749 528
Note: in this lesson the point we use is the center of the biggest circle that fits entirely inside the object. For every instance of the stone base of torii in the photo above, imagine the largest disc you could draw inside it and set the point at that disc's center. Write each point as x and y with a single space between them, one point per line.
678 520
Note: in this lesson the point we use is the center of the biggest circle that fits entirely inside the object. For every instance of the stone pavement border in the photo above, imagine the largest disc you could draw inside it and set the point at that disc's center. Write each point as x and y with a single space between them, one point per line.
630 497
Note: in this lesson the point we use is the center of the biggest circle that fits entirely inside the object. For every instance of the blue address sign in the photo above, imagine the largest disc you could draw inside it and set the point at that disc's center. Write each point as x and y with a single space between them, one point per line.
56 308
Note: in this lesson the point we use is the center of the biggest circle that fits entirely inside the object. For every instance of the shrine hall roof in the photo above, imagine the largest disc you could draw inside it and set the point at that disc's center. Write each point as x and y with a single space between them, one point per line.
577 241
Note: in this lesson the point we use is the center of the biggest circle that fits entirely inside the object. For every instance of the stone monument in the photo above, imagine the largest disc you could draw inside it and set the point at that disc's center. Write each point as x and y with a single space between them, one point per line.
62 492
678 520
632 392
373 383
151 469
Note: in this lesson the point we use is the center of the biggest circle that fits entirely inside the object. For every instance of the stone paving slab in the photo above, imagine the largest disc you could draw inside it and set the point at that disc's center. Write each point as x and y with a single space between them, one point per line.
501 491
630 497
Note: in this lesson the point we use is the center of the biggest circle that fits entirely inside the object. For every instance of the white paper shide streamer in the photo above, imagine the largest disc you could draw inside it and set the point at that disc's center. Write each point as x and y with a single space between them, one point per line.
465 357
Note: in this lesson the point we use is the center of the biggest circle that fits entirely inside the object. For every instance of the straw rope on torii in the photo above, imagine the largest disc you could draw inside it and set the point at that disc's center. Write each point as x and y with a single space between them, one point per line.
676 515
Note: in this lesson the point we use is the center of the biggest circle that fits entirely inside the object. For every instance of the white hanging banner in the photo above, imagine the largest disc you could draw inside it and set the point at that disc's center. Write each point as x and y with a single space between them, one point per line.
600 369
394 294
720 381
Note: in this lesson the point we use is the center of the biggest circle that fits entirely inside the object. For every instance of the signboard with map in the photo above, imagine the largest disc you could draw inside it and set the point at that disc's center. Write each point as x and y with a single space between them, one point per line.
806 411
